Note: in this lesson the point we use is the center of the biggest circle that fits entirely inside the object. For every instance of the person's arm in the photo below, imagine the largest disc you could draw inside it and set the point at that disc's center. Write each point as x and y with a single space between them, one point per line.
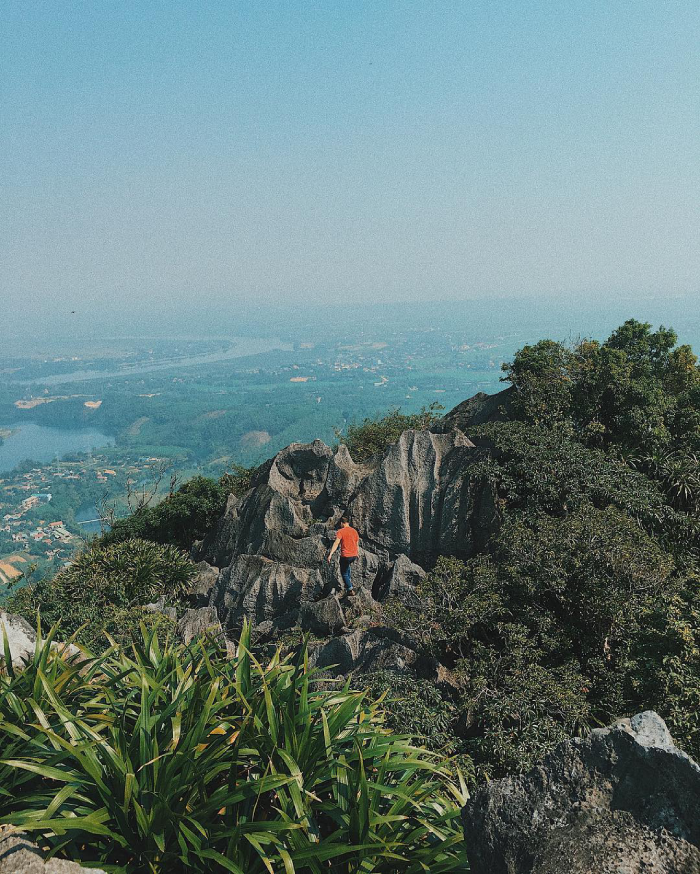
333 548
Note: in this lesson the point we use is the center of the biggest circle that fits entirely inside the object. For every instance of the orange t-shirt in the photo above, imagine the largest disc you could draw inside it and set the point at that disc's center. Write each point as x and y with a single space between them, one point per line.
349 538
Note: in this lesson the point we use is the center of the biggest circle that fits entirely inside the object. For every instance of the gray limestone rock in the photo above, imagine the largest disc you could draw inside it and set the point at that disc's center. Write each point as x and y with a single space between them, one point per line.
410 504
199 622
362 651
401 582
22 640
324 618
160 606
620 801
478 410
202 584
20 635
18 855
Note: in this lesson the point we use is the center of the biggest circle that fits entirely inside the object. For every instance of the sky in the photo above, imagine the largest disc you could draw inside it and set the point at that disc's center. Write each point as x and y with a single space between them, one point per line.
254 153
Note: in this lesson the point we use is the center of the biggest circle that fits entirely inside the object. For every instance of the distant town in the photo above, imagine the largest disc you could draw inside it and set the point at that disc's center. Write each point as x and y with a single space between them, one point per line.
49 511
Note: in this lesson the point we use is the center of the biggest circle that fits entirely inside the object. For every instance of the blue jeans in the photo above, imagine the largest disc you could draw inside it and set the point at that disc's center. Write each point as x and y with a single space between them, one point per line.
345 570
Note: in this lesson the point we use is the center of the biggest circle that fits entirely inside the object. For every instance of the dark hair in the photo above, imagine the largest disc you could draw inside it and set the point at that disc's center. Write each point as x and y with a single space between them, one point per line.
344 519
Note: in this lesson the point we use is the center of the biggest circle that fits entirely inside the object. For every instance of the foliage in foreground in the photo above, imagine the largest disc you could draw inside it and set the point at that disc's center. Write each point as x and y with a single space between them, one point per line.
172 760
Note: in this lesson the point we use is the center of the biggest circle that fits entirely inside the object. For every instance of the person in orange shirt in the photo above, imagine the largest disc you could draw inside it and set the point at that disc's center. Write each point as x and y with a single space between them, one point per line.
348 539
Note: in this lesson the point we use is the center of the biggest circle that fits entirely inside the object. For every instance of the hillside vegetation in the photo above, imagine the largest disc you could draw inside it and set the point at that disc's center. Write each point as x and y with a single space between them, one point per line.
583 605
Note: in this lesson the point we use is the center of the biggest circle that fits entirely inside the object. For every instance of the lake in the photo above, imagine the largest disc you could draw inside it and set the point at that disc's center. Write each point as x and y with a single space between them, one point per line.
39 443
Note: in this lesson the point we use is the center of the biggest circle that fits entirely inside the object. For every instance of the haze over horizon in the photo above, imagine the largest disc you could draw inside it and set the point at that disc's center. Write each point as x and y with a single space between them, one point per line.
165 155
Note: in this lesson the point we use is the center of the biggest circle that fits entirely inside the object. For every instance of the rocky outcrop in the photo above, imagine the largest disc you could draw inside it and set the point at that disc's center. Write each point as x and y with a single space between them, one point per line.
368 650
20 636
324 618
18 855
202 584
620 801
478 410
410 504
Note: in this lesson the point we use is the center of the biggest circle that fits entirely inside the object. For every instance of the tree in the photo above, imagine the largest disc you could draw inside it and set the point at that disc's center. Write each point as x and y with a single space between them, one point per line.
635 391
184 516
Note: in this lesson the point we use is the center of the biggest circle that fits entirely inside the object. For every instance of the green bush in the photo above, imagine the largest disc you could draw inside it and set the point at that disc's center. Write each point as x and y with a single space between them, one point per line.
420 709
179 760
373 435
238 480
126 573
183 517
105 588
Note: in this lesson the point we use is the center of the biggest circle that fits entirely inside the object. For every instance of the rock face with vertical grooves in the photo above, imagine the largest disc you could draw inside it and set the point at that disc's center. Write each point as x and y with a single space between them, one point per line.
410 504
621 801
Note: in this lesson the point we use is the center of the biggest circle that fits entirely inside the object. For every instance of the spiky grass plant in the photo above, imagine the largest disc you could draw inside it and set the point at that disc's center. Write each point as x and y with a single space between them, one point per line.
173 759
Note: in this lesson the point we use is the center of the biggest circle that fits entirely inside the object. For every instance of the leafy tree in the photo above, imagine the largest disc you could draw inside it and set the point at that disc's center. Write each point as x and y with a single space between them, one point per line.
238 480
181 518
638 389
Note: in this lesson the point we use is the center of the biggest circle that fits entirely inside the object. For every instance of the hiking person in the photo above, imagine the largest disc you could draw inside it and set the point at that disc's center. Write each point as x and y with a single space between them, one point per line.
348 540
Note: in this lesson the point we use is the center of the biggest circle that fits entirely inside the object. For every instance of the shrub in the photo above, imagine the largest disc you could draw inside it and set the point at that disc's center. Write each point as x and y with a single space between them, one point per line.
373 435
105 589
418 708
175 759
127 573
636 390
180 519
238 480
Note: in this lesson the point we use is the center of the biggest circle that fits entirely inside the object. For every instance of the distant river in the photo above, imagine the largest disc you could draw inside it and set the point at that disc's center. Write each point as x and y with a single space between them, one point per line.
39 443
243 346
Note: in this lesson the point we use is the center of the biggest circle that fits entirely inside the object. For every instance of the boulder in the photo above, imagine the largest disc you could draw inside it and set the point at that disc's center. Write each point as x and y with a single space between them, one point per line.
620 801
21 637
202 584
401 582
198 623
18 855
323 618
160 606
362 651
478 410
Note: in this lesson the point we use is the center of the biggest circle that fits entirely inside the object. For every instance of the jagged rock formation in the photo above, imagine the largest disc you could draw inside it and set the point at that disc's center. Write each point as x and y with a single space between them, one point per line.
621 801
410 504
18 855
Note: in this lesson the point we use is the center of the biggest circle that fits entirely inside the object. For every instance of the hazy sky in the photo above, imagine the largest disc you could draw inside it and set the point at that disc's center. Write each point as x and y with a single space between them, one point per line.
262 150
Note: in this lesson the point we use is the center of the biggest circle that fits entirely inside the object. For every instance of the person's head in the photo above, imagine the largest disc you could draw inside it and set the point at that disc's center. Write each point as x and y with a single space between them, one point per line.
344 521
